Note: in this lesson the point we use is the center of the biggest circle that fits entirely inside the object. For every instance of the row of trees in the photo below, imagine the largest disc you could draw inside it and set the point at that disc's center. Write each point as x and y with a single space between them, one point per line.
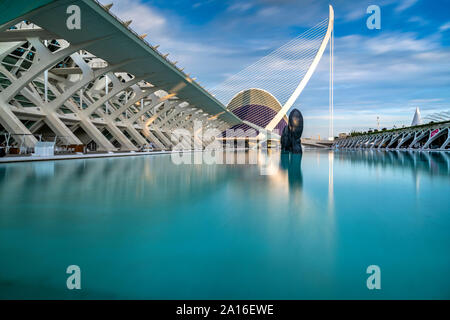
355 133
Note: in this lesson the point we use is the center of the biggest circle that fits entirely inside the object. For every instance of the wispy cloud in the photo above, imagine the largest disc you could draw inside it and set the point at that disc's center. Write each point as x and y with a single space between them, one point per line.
418 20
268 11
145 18
445 26
396 42
193 53
405 4
384 76
240 6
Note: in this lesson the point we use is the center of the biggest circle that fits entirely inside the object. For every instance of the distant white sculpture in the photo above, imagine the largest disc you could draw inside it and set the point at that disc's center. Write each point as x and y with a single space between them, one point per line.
417 120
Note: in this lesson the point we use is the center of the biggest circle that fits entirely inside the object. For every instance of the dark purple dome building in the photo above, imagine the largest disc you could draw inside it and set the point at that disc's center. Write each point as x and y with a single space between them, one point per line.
258 107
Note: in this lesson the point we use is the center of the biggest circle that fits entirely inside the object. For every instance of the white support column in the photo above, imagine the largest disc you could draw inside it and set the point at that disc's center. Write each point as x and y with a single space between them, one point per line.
140 95
150 136
117 88
125 143
36 126
404 138
136 135
447 142
331 133
45 80
111 119
106 93
170 116
419 136
431 139
46 60
159 134
13 125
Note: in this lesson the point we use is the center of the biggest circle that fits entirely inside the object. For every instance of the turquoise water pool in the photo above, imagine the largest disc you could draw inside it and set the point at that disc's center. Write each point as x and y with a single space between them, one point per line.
144 228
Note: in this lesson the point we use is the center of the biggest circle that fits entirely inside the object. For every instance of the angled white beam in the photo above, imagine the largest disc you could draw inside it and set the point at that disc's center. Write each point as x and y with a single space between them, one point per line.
431 139
172 113
273 123
116 89
151 137
46 60
13 125
447 142
85 80
417 137
136 135
139 96
150 106
162 138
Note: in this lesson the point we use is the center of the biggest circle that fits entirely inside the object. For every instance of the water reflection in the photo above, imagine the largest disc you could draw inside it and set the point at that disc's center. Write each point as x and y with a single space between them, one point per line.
429 163
168 226
159 180
111 180
330 181
292 164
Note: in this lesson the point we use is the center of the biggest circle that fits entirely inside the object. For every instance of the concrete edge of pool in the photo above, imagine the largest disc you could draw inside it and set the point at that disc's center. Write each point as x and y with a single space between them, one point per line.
85 156
130 154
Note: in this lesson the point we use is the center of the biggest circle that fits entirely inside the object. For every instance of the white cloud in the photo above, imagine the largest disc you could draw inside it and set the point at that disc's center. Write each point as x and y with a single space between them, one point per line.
355 14
194 53
201 3
240 6
426 100
445 26
145 18
268 11
405 4
418 20
386 76
399 42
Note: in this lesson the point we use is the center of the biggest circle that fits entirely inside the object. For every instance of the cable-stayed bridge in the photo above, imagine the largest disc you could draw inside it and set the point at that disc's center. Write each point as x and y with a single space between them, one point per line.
262 93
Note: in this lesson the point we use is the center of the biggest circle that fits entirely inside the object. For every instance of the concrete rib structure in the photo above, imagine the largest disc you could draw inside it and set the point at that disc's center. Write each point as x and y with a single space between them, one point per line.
433 136
102 85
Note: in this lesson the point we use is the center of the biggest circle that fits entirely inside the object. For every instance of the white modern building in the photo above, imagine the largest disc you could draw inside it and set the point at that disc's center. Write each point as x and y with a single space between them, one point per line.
73 73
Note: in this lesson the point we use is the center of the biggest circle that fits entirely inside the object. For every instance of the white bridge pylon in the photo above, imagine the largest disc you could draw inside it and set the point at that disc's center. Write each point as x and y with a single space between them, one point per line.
284 73
290 102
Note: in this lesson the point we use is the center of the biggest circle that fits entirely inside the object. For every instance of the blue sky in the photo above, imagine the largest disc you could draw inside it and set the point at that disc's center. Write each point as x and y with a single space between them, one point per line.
385 73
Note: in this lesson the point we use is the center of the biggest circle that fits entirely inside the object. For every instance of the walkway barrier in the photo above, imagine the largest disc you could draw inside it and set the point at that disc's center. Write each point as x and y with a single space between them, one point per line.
44 149
433 136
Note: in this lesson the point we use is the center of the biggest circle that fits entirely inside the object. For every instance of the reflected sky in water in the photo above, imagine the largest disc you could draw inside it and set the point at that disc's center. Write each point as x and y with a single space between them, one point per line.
289 227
